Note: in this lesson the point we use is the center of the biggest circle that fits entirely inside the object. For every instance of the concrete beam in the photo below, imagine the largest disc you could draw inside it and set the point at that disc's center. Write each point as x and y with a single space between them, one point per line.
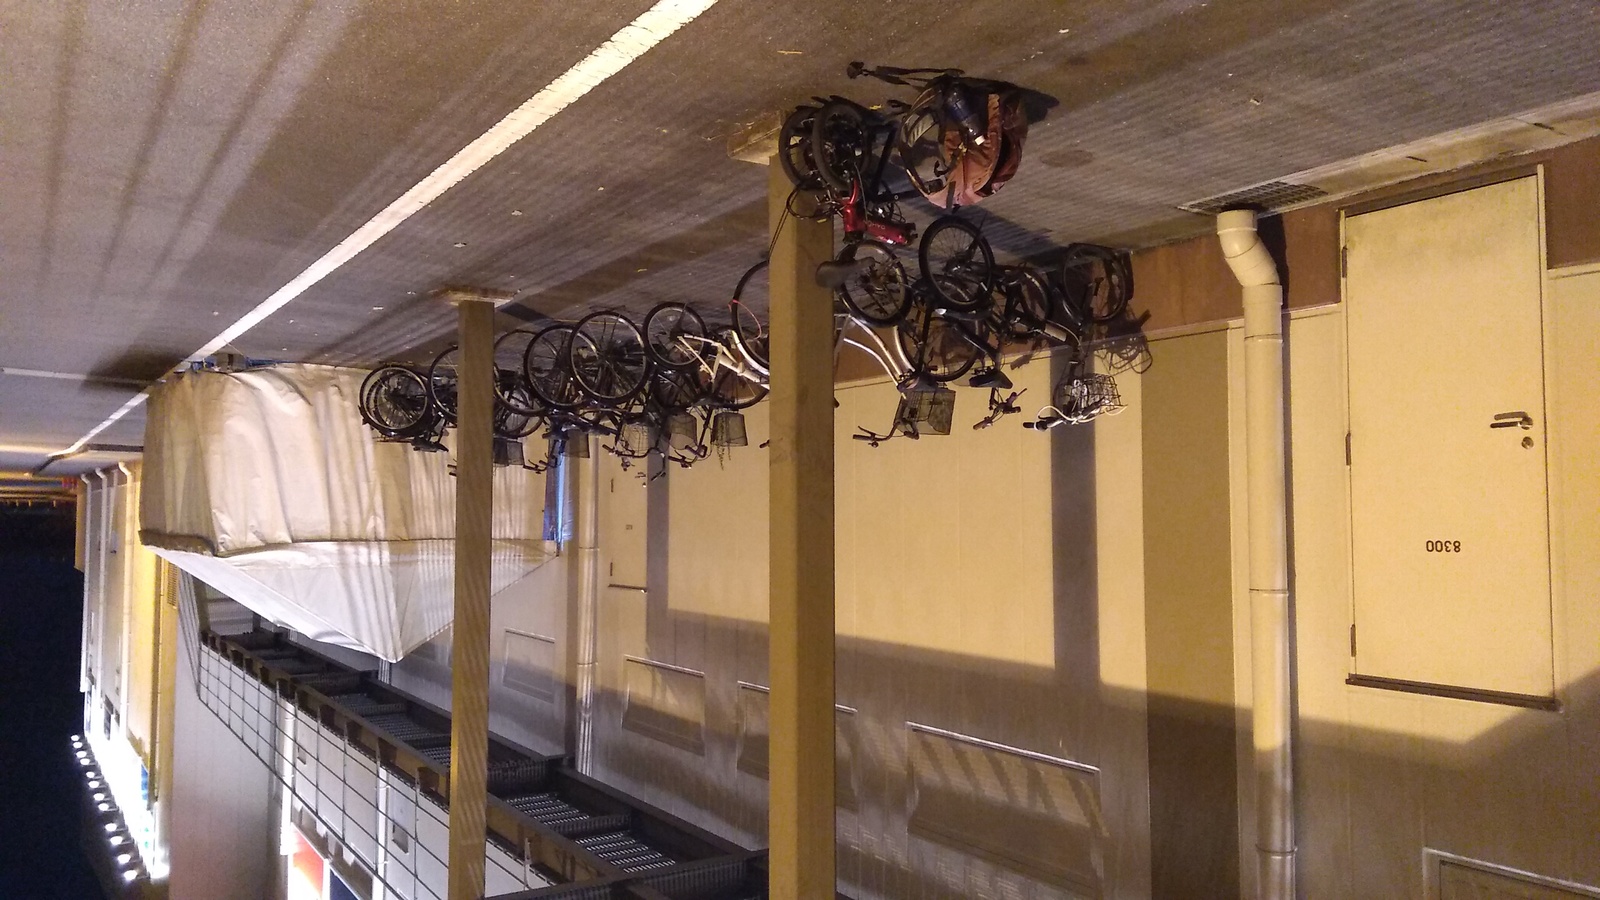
800 826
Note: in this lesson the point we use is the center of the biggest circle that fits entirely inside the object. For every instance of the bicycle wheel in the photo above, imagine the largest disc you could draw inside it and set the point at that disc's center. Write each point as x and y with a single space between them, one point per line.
750 298
673 334
877 295
839 140
443 384
544 366
509 386
1097 281
921 149
957 263
394 401
730 390
946 354
607 357
675 390
515 419
794 148
1028 294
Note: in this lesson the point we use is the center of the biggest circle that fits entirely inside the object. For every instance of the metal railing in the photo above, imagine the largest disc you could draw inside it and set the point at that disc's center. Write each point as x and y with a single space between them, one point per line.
547 824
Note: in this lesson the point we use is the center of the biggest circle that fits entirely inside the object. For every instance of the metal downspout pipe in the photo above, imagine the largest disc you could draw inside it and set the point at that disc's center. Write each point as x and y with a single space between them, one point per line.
1271 648
587 475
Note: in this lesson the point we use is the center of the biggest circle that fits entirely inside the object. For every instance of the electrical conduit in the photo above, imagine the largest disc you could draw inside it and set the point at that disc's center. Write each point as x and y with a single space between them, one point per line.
1270 639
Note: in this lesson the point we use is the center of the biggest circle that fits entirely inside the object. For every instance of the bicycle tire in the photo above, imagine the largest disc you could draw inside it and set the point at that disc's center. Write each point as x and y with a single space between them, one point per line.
839 144
675 390
512 421
544 367
954 253
750 294
618 366
921 151
394 402
794 148
881 295
663 325
444 379
1097 281
950 355
1029 294
730 390
509 351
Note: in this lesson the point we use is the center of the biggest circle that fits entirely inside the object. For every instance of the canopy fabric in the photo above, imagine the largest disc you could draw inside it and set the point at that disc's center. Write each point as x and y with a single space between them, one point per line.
267 485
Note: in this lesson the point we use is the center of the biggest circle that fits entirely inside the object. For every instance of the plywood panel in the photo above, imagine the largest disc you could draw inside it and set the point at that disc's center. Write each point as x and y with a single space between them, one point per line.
1572 183
1310 256
1184 283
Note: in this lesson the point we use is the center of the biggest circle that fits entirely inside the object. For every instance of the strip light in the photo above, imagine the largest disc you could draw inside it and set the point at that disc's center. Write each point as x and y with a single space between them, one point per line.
636 38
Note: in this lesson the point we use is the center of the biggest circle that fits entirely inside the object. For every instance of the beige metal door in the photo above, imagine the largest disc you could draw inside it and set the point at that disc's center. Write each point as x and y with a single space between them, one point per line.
626 498
1450 528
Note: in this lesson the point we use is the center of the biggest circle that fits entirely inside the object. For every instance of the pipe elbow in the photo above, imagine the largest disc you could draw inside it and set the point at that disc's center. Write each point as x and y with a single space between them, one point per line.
1247 256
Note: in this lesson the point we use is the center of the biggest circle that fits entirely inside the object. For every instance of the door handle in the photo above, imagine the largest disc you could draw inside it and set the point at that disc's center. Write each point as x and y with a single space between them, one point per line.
1512 420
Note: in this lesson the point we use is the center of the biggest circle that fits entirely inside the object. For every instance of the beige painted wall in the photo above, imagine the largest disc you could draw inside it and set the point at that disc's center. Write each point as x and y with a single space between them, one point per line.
927 525
1188 619
1382 776
990 583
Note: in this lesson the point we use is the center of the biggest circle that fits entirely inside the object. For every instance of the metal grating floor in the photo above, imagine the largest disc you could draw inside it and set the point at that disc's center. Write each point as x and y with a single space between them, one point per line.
625 852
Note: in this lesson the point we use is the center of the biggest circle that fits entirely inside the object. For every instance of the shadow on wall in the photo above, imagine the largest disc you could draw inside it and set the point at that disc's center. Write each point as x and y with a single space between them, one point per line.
987 826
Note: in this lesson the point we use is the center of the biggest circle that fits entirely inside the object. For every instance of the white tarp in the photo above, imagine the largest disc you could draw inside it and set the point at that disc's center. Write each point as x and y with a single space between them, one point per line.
267 485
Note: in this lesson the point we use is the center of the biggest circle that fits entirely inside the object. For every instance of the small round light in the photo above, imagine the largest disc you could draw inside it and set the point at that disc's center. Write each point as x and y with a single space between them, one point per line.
94 782
129 875
110 827
98 796
105 807
124 858
116 840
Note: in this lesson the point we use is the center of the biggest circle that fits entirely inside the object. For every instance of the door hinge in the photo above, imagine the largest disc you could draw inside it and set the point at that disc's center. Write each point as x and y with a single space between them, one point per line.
1352 640
1347 449
1344 262
611 568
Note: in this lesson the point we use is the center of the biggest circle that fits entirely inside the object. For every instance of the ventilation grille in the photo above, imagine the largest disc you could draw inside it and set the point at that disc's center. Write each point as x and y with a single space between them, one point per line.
1271 195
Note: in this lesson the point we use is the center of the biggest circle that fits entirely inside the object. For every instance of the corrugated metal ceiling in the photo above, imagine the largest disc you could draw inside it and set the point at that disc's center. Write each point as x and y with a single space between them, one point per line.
182 160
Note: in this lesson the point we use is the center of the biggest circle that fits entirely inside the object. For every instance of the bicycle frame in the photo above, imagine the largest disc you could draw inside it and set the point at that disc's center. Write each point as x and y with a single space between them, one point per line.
859 224
893 362
735 359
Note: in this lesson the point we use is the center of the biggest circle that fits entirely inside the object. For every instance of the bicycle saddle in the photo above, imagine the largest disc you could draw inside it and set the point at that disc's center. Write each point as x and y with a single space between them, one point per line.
834 273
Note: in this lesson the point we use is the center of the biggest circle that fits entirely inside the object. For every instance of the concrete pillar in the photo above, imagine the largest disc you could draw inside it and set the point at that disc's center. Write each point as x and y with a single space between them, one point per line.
800 827
469 654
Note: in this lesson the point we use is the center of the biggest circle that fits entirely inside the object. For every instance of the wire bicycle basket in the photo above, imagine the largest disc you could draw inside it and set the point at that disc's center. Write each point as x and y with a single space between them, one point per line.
1083 398
926 410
